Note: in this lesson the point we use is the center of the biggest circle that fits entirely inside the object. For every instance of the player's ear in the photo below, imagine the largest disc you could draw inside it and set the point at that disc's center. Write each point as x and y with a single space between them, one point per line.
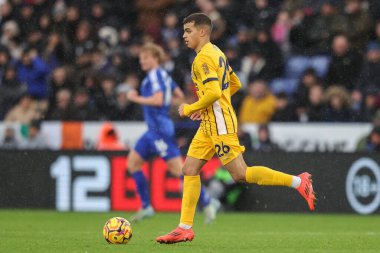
204 31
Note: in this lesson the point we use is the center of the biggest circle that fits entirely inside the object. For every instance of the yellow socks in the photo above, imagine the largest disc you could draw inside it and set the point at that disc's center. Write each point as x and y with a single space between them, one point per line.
191 192
265 176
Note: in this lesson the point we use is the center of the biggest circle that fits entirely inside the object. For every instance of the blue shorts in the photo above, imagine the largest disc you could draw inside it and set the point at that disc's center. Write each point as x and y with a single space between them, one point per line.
151 144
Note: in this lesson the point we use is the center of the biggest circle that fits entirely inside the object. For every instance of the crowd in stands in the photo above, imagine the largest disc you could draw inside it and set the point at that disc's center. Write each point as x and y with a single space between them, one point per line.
298 60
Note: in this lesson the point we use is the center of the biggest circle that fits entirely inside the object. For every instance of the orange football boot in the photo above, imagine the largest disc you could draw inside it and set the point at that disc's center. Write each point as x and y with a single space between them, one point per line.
177 235
306 189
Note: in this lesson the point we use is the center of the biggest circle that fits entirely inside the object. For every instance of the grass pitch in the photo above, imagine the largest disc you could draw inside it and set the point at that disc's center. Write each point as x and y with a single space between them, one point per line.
53 232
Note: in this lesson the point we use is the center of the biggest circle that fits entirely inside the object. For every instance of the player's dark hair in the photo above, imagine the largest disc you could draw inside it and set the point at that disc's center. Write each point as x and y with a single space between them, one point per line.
199 19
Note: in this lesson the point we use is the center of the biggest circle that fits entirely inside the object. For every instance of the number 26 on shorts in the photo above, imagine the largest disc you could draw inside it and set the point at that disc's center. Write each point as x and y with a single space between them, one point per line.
222 150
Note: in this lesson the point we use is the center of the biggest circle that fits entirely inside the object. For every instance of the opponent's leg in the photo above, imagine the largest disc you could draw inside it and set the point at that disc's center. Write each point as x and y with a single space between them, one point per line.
265 176
135 162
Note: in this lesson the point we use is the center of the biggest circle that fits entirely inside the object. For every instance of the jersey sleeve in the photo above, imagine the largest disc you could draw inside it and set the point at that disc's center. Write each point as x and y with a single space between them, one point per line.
209 78
235 83
173 85
155 82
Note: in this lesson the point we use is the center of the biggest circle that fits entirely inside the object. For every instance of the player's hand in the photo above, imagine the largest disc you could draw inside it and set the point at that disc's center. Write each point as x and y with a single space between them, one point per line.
132 95
180 110
196 116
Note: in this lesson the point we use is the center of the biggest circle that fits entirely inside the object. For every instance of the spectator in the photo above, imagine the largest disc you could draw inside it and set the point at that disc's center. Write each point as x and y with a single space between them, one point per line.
109 139
338 105
56 50
270 52
11 91
369 105
36 139
359 23
264 142
280 31
254 66
10 32
324 26
285 110
230 11
315 105
100 62
170 28
259 105
125 110
33 71
371 143
259 14
27 19
24 111
308 80
106 102
5 60
242 40
61 110
84 43
150 16
72 21
369 76
125 36
219 26
9 140
118 67
298 37
7 12
345 63
82 109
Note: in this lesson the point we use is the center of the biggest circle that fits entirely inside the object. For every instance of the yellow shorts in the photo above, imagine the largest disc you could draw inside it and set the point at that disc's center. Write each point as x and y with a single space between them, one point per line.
226 147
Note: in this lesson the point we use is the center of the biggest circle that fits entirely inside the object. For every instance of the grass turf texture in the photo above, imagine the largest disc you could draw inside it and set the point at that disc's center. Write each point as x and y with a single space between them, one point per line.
49 231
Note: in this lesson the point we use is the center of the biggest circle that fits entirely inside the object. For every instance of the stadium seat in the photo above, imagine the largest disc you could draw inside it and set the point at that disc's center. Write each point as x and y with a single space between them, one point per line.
296 65
321 64
287 85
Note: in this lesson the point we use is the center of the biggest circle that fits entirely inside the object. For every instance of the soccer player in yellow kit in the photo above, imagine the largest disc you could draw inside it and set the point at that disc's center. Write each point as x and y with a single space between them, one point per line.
215 83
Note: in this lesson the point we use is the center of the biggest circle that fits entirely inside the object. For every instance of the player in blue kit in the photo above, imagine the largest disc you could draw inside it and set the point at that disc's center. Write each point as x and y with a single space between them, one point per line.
156 91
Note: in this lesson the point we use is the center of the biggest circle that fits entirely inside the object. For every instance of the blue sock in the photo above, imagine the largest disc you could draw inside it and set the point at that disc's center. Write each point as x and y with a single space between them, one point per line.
142 188
204 198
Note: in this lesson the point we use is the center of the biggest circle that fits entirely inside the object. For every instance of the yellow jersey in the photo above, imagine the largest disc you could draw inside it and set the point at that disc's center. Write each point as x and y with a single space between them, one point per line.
215 83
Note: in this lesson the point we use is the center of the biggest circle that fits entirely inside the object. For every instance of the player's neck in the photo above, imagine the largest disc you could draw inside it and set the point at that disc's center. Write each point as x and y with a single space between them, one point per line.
201 45
154 67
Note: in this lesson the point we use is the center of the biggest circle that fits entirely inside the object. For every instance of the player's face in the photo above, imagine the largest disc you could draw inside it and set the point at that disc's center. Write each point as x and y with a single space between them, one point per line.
147 61
191 35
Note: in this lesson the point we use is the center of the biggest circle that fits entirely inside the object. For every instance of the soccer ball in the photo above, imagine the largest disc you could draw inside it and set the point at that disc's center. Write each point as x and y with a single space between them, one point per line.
117 230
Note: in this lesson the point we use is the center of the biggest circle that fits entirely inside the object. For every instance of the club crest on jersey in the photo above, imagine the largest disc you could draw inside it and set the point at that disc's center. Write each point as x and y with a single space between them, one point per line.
205 69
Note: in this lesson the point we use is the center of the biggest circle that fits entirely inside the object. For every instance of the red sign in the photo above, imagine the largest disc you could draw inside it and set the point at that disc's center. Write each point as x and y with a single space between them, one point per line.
164 188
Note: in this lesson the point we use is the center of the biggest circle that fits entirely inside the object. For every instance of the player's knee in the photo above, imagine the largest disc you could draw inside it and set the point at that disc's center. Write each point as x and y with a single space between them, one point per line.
132 166
175 171
189 171
238 176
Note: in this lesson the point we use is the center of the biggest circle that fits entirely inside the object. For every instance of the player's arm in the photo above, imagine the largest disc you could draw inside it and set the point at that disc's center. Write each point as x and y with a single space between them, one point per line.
157 99
235 83
210 79
178 93
212 94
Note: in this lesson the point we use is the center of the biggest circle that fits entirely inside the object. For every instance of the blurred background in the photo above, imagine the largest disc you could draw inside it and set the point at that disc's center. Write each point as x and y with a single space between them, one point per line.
310 99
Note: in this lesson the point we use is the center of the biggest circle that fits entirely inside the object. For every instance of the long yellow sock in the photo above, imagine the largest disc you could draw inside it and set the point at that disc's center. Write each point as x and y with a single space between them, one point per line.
191 192
265 176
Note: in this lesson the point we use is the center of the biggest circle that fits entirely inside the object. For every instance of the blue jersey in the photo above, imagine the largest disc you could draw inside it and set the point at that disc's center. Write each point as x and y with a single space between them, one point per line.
158 118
